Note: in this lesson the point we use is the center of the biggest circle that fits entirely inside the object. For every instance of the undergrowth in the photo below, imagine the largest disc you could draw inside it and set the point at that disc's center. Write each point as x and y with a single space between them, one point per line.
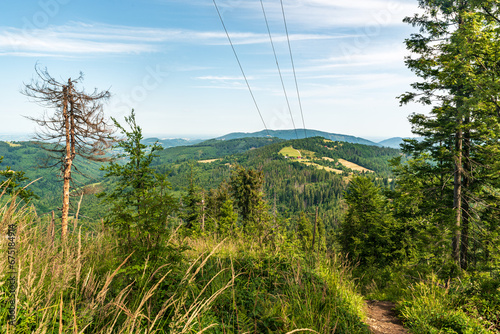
87 285
429 304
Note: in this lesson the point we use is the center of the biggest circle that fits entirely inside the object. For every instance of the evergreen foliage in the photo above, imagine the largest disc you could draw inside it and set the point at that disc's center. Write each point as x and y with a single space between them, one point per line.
454 53
246 189
15 183
139 203
193 204
369 233
304 232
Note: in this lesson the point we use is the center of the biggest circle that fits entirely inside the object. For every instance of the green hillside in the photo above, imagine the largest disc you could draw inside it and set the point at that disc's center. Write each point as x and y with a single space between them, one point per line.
36 163
259 271
241 279
292 185
297 186
298 134
213 149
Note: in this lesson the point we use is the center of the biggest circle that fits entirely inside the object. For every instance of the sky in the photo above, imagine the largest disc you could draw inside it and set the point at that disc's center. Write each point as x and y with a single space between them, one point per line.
170 61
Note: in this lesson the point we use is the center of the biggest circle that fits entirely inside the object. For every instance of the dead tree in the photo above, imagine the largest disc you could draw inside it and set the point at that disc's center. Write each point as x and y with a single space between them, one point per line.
77 127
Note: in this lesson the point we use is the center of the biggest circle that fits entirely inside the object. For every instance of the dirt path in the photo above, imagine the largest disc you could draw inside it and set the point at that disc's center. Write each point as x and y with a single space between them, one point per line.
382 320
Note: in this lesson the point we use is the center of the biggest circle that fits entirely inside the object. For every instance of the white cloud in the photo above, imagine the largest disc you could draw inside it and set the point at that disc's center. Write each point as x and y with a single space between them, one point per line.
222 78
315 14
80 39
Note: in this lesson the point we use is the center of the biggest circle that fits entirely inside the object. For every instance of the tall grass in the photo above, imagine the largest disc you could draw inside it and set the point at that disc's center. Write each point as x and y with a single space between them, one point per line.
232 286
280 291
69 288
428 307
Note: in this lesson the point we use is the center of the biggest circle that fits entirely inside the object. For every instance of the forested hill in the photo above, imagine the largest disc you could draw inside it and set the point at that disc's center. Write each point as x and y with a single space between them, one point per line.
318 150
29 157
299 134
320 176
282 134
315 180
213 149
391 142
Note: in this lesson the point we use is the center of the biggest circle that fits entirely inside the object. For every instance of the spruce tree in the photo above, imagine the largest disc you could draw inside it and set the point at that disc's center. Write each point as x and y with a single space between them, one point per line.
455 42
193 204
140 202
368 233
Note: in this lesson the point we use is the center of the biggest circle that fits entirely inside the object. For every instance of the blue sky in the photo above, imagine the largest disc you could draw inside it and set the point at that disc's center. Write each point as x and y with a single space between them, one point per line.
170 60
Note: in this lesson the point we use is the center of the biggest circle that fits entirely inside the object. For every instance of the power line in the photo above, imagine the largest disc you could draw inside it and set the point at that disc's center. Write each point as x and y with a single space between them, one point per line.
241 67
293 67
278 66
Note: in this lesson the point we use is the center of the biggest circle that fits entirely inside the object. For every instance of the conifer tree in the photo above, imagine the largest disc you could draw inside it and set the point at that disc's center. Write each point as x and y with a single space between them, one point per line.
454 53
193 204
140 201
368 233
246 188
304 231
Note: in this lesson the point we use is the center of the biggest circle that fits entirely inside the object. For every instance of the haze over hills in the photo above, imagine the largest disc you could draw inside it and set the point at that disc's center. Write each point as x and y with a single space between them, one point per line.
16 137
396 141
300 133
391 142
173 142
282 134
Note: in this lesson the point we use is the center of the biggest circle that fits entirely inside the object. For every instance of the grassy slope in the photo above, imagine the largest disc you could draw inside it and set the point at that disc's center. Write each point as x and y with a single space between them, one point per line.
259 153
79 276
234 286
289 151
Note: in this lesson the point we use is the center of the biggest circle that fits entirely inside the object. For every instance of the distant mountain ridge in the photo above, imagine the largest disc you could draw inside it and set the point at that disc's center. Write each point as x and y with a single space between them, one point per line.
396 142
282 134
391 142
166 143
300 133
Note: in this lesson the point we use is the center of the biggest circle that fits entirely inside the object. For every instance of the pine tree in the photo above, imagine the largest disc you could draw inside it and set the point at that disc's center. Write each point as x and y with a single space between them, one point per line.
304 231
456 40
246 190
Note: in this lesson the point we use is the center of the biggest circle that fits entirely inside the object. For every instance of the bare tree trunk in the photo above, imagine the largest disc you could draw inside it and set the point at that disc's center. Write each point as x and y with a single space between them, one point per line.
314 229
52 229
457 192
66 167
464 238
203 215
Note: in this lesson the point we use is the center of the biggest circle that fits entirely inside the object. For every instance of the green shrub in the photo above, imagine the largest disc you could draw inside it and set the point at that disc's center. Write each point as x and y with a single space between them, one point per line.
428 307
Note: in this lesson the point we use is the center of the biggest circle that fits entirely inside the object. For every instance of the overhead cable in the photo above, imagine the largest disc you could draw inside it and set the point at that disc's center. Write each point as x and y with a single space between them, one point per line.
279 69
241 67
293 67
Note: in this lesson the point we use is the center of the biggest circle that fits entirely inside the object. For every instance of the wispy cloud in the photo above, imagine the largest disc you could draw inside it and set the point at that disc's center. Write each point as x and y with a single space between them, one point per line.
225 82
69 40
84 39
222 78
313 14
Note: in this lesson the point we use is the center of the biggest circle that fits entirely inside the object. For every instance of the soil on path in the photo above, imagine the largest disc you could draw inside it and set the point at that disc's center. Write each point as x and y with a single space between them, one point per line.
382 320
